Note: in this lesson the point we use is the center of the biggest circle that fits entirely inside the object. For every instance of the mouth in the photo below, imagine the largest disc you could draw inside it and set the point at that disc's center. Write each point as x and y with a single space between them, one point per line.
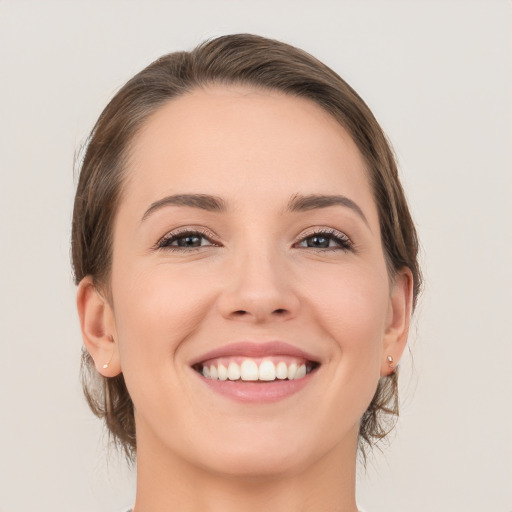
256 372
246 369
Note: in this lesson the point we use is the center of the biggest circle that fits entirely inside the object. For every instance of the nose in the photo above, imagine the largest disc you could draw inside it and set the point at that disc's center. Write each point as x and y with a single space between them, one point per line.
259 289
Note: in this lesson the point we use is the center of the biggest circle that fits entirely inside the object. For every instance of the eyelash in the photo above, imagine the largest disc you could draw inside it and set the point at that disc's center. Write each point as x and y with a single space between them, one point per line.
167 240
343 241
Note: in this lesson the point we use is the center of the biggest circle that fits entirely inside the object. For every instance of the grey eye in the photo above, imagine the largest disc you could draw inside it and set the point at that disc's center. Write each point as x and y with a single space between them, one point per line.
317 241
185 240
326 240
188 241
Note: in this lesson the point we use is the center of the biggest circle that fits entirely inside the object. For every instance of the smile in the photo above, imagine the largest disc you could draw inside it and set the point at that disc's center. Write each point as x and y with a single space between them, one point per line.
250 370
256 372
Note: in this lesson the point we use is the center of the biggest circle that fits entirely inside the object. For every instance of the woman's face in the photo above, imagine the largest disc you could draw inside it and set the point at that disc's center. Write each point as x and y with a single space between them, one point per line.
247 240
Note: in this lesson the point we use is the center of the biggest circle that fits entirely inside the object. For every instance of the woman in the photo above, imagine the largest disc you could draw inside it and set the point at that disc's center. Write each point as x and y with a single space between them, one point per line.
247 268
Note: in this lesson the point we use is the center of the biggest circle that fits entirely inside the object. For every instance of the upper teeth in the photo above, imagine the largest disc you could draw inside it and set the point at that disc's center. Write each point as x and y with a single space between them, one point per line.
249 370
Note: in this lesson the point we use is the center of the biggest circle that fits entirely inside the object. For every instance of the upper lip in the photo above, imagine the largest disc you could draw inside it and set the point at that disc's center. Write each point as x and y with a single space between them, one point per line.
255 349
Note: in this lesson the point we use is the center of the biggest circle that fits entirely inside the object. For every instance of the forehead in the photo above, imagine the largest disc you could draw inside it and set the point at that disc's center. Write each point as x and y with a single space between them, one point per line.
240 142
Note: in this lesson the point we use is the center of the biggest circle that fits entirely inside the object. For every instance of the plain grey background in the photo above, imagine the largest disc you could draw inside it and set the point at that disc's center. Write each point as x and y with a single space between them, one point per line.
437 75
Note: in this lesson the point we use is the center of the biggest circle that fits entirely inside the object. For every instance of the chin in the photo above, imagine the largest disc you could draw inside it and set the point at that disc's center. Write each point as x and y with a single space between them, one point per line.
259 454
248 465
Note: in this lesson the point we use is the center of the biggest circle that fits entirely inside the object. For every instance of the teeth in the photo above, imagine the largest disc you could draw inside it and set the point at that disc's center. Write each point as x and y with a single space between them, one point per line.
281 371
292 370
223 372
267 371
301 372
249 371
233 371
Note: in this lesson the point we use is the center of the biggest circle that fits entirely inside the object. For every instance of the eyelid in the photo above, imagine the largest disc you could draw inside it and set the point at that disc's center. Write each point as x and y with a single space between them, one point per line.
313 230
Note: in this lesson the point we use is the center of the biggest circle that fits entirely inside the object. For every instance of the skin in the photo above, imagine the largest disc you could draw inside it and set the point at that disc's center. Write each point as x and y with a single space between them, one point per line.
254 278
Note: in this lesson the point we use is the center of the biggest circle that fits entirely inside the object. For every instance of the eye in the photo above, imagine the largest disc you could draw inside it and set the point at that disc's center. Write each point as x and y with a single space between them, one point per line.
330 239
185 240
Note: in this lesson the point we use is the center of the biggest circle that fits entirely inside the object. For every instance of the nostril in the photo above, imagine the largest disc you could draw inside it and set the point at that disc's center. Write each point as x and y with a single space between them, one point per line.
259 315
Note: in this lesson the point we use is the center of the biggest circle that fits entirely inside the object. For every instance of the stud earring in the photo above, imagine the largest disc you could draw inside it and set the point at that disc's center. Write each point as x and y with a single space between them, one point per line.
390 361
106 365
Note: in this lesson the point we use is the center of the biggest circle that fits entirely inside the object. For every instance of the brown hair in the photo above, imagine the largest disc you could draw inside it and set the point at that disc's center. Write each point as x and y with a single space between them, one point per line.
232 59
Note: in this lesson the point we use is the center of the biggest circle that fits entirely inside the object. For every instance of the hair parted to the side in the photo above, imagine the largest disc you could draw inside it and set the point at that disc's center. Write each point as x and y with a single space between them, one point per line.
243 59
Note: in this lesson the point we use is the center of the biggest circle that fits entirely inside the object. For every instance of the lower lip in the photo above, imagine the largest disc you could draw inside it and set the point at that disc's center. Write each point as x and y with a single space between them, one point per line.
257 392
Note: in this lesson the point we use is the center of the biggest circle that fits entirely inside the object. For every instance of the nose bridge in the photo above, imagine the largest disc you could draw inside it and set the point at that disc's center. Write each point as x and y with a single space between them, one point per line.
260 284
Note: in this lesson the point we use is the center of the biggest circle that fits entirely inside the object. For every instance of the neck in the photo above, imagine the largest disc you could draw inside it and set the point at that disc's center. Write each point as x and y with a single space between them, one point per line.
166 483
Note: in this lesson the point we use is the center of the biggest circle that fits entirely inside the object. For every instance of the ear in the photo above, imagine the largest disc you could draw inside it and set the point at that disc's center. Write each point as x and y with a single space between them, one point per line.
98 328
398 320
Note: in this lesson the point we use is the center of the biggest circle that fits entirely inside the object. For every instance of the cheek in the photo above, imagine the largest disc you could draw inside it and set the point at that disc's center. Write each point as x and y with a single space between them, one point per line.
156 309
354 321
354 304
352 309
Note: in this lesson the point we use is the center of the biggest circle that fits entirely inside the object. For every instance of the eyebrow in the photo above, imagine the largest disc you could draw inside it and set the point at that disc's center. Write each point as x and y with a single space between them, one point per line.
297 203
300 203
202 201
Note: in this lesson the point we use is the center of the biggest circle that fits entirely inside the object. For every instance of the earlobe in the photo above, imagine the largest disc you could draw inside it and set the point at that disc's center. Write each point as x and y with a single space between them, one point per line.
398 321
98 328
